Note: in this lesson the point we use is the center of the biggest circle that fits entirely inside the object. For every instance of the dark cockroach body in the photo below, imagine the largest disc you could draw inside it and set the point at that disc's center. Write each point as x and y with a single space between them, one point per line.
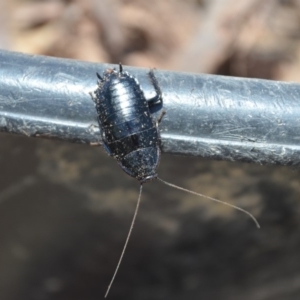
128 132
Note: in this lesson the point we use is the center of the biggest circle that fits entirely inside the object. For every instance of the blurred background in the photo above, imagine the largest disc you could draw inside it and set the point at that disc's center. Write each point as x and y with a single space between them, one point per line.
65 209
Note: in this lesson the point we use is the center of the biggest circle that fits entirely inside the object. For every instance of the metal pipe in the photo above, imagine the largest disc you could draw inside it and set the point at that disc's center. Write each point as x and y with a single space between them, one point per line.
210 116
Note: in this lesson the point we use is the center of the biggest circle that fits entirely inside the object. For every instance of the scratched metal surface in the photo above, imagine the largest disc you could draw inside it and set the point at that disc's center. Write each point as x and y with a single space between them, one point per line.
210 116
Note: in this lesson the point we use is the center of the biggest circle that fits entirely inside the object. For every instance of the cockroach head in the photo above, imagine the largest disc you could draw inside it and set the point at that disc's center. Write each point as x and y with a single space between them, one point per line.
148 178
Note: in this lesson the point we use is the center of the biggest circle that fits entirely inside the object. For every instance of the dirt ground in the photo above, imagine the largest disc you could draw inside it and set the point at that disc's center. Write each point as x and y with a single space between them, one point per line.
65 209
250 38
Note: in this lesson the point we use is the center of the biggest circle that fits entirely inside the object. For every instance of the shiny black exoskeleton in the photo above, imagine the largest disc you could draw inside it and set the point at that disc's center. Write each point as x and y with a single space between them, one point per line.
128 132
130 135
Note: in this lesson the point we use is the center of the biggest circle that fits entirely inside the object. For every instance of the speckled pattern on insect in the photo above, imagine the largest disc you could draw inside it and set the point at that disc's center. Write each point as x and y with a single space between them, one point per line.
129 133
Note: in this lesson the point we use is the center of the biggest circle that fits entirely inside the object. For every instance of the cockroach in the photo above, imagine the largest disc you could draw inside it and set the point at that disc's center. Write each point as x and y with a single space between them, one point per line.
129 133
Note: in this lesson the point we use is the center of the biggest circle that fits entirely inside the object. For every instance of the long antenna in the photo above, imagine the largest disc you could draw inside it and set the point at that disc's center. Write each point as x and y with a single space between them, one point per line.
126 242
210 198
